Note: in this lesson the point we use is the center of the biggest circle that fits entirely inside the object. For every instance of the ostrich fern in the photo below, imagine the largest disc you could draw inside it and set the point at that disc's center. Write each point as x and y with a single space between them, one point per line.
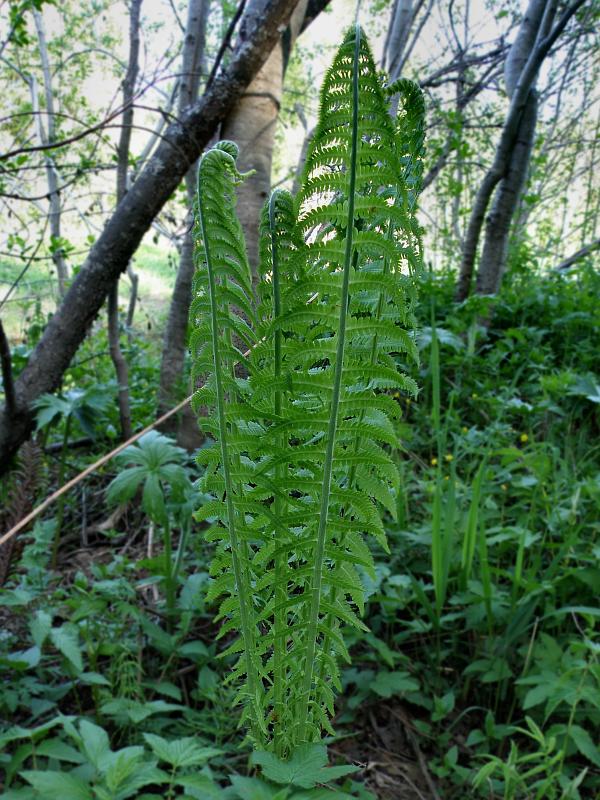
299 382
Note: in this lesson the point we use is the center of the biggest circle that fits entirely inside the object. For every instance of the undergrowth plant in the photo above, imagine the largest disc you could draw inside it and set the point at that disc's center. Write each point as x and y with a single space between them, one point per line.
299 387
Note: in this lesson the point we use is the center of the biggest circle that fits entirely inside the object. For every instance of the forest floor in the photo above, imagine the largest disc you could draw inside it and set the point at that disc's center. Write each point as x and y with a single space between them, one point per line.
509 661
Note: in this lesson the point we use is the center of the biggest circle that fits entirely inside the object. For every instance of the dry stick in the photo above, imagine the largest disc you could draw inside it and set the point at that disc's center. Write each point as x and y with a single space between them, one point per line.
87 471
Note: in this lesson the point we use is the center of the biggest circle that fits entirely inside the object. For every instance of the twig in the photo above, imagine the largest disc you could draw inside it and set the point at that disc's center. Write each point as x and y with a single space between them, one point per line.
15 283
225 43
419 754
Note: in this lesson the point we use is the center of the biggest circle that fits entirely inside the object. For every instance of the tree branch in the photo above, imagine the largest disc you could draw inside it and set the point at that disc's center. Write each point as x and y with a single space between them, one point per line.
582 253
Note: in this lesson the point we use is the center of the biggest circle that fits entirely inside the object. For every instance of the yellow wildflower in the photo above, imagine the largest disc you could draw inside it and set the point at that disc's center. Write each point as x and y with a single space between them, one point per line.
449 457
524 438
434 462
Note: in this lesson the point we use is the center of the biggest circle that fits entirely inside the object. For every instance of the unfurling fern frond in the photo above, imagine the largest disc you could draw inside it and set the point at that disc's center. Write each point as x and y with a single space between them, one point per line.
221 293
302 468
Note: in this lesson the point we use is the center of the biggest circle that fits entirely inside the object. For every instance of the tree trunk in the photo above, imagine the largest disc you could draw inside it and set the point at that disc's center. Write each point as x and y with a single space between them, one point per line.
47 137
114 344
397 38
251 125
498 223
535 25
175 342
526 65
591 209
181 145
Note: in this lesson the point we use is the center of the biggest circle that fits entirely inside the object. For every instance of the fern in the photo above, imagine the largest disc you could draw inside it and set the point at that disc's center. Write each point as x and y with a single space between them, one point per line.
301 467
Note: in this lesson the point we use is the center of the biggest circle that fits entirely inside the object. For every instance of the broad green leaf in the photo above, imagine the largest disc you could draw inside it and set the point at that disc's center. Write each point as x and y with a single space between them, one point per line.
305 768
58 785
256 789
94 679
387 684
16 732
66 641
202 783
22 659
126 775
56 748
539 694
194 650
124 486
125 710
95 742
40 627
585 744
179 753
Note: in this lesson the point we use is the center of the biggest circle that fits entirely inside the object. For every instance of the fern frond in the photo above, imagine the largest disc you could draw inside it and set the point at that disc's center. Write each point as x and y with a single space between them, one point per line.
223 275
302 469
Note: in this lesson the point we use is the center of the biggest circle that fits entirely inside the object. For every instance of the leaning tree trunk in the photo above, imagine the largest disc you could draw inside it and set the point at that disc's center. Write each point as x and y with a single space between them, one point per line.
533 43
175 342
180 146
251 125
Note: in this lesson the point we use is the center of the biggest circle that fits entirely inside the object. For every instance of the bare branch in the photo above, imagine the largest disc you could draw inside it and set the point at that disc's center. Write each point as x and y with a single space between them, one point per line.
578 256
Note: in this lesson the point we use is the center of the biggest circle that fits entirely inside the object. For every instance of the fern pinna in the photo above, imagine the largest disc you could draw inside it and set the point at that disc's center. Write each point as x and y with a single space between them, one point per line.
299 389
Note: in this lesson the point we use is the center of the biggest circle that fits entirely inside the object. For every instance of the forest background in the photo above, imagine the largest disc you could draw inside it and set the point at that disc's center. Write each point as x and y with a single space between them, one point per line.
107 106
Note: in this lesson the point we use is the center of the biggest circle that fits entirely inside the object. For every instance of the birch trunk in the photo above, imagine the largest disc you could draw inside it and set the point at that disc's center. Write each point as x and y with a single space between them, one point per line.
506 201
536 24
251 125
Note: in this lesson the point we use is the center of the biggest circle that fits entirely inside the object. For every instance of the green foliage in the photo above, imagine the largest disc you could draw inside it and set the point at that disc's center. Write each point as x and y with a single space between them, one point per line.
81 405
150 466
156 468
301 437
483 616
306 768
